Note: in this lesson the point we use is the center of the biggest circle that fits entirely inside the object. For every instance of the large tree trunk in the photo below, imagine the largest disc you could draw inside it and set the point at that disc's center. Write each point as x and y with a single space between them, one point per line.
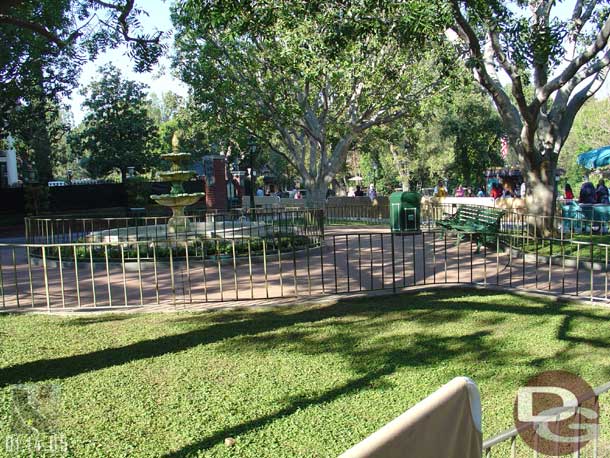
541 193
41 144
41 140
317 192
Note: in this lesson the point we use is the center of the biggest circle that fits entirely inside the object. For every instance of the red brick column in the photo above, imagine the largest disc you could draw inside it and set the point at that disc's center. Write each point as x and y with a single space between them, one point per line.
216 189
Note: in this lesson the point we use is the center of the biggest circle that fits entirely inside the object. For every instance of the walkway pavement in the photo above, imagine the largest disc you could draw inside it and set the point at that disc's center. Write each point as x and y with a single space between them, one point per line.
353 259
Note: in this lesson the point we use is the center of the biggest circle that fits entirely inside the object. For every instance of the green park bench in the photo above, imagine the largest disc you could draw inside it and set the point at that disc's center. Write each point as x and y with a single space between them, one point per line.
481 222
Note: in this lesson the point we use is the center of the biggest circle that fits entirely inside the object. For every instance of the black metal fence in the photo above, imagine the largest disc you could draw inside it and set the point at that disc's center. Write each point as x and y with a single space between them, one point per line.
199 225
184 272
367 213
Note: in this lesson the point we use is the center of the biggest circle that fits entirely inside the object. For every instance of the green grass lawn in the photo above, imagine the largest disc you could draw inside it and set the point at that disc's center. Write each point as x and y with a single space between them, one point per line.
287 382
591 249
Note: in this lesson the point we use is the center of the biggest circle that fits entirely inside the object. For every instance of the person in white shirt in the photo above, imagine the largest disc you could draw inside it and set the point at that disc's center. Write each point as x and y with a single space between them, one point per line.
372 192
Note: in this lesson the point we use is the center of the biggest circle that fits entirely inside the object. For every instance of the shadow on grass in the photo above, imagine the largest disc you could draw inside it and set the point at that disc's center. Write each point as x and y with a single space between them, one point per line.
216 327
425 349
242 330
244 323
86 321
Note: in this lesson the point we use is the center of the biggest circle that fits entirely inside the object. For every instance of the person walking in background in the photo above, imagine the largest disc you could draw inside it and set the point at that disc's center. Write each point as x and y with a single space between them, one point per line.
496 191
237 187
459 191
359 192
522 190
372 192
601 193
481 192
568 194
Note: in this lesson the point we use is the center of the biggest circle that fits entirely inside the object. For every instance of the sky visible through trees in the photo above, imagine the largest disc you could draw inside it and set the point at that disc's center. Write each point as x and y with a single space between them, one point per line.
161 80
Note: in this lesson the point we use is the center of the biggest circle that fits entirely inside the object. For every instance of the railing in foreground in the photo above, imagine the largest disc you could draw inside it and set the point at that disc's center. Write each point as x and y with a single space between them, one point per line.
181 272
506 444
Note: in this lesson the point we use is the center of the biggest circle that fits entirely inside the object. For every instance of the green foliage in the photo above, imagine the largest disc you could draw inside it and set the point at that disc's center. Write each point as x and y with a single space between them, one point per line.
203 248
305 380
555 56
31 68
80 29
45 44
591 130
118 132
33 81
471 122
165 108
454 136
39 129
309 79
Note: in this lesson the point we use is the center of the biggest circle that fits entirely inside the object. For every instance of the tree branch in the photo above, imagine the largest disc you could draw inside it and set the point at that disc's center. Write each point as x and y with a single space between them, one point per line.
578 101
601 40
507 111
37 28
513 73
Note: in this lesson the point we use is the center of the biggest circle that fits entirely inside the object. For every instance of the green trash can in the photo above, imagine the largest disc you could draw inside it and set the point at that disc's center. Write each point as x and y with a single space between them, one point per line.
405 214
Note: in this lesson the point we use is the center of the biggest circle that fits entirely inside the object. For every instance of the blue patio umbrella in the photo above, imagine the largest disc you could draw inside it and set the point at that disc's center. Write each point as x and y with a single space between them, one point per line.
595 158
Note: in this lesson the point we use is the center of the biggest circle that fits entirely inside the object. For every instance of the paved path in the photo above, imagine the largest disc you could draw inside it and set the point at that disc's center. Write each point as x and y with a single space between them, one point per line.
352 259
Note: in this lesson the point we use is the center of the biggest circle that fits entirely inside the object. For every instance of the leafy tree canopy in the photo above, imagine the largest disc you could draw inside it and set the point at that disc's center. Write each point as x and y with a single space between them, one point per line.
308 78
118 131
83 27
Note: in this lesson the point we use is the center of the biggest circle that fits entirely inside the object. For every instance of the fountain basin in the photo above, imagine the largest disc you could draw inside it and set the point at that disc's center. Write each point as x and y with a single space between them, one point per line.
176 175
175 157
192 231
176 200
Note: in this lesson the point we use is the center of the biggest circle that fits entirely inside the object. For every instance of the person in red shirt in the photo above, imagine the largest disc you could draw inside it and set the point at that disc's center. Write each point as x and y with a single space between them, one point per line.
568 193
496 191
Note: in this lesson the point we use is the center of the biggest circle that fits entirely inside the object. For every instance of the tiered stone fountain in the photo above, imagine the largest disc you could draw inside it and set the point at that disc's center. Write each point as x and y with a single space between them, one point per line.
177 199
179 225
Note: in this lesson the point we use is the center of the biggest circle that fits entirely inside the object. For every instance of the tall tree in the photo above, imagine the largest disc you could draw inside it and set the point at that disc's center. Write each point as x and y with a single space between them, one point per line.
308 79
34 78
564 59
118 131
